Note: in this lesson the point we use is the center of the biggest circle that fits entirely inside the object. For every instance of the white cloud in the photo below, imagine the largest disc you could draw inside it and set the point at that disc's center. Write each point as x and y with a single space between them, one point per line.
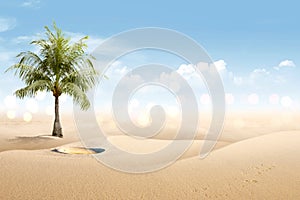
252 79
121 71
7 24
116 70
170 80
220 65
285 63
228 77
31 3
259 73
23 39
187 71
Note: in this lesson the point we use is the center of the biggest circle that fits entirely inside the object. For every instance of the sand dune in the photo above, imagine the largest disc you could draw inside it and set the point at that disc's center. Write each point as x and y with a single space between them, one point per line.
264 164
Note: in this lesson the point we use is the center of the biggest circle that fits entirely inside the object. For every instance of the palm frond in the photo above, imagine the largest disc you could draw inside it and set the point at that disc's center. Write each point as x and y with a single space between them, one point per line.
31 90
79 97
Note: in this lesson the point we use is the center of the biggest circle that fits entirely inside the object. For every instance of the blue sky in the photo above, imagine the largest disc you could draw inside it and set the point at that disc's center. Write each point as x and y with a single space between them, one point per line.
256 44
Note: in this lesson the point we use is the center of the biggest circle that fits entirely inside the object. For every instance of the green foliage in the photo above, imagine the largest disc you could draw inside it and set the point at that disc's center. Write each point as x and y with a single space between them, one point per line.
59 67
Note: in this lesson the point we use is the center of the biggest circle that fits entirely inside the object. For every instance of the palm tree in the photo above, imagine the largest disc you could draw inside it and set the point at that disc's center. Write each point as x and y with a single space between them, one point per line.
60 67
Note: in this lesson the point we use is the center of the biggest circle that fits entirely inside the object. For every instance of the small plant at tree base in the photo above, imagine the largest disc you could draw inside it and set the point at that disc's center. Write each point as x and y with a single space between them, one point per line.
60 67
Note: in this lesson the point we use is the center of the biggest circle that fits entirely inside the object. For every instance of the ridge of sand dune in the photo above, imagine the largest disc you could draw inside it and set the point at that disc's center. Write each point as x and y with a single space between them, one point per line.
265 167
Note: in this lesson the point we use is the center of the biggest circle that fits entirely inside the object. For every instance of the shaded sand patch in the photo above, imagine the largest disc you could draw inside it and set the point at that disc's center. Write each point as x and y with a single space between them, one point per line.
32 142
78 150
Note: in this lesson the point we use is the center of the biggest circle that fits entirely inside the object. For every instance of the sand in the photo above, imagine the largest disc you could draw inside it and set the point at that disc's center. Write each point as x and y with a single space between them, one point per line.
257 157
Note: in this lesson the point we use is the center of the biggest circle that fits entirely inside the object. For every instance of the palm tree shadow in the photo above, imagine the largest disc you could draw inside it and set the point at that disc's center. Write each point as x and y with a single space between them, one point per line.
32 142
32 139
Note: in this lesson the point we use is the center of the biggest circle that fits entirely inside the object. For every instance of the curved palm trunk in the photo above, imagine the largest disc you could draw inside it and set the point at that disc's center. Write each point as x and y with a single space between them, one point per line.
57 130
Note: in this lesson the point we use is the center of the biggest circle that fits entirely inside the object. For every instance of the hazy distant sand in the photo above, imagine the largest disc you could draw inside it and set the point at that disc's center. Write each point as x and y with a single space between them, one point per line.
257 157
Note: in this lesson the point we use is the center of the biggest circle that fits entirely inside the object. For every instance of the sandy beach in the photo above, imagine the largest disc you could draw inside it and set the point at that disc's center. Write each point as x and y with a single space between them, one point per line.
256 157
